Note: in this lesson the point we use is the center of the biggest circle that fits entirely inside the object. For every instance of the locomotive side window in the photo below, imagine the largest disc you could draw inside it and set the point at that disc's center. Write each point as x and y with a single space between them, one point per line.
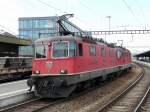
72 49
92 51
103 52
40 51
60 49
80 49
110 52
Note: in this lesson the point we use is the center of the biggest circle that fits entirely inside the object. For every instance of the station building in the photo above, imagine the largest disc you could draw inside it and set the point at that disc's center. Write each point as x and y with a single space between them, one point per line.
33 28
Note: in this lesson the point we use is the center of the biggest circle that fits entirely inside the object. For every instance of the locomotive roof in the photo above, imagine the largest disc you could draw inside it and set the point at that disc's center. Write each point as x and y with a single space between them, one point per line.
55 38
76 38
73 38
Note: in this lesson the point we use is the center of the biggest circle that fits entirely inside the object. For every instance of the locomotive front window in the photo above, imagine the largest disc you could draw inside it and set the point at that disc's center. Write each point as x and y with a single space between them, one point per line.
40 51
60 49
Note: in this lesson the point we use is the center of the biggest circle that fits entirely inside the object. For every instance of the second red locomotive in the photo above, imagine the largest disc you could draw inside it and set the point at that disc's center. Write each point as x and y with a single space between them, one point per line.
63 63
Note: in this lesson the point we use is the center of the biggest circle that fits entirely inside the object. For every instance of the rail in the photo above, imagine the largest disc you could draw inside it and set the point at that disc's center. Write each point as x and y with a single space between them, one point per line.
9 101
38 106
138 107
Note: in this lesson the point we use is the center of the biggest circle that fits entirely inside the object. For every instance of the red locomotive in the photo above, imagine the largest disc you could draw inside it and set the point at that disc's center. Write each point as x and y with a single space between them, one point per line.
63 63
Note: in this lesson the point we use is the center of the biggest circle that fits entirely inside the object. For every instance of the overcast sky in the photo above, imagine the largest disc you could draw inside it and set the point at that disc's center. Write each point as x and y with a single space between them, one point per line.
88 15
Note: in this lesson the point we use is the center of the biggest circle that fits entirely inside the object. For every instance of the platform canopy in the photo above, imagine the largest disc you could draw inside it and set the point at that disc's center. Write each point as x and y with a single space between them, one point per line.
144 54
12 39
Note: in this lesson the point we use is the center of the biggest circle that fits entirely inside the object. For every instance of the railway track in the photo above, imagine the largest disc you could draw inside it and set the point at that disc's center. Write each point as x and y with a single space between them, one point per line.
128 100
39 104
31 106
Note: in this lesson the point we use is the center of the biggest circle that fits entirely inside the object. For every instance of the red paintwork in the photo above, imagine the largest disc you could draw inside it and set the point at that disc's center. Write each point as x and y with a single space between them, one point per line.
80 63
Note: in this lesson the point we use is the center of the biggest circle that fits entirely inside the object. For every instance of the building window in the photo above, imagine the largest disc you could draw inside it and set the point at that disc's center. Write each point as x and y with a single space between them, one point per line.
27 24
92 51
21 24
35 35
103 52
80 49
27 34
35 24
21 34
26 51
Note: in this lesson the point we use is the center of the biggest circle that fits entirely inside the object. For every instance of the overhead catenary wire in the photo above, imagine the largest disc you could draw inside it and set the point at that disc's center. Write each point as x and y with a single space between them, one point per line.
87 7
60 10
94 12
45 3
4 28
131 11
84 22
51 6
90 10
142 12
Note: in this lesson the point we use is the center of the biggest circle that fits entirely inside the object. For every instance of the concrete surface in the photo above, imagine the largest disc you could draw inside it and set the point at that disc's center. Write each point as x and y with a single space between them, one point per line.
13 88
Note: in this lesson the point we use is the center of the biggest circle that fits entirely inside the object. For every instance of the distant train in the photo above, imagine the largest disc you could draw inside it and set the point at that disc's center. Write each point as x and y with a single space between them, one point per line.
15 68
64 63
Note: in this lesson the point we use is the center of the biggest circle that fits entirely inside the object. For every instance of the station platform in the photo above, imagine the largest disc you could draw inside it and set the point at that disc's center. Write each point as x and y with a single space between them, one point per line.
142 62
14 93
13 88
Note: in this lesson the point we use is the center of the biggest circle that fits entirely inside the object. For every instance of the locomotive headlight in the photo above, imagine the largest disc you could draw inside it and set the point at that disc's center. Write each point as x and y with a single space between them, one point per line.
63 71
37 72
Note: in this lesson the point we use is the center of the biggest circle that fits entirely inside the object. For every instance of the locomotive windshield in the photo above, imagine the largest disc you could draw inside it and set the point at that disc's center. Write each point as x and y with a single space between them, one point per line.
64 49
41 51
60 49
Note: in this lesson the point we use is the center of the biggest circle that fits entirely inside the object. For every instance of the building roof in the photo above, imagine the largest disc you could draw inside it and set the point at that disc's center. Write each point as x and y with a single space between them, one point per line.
12 39
56 19
35 18
147 53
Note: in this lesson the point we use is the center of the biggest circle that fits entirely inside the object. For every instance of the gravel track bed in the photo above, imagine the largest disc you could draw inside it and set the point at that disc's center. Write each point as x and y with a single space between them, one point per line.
91 101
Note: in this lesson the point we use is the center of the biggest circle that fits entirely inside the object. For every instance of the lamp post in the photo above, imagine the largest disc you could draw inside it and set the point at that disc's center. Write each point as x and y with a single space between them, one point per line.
108 24
109 17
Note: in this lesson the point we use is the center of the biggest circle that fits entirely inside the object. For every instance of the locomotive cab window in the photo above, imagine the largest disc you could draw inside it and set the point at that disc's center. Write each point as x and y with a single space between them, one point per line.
41 51
60 49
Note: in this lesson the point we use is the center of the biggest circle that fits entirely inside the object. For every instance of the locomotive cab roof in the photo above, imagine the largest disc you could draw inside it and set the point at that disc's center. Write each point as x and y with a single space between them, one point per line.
69 38
56 38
